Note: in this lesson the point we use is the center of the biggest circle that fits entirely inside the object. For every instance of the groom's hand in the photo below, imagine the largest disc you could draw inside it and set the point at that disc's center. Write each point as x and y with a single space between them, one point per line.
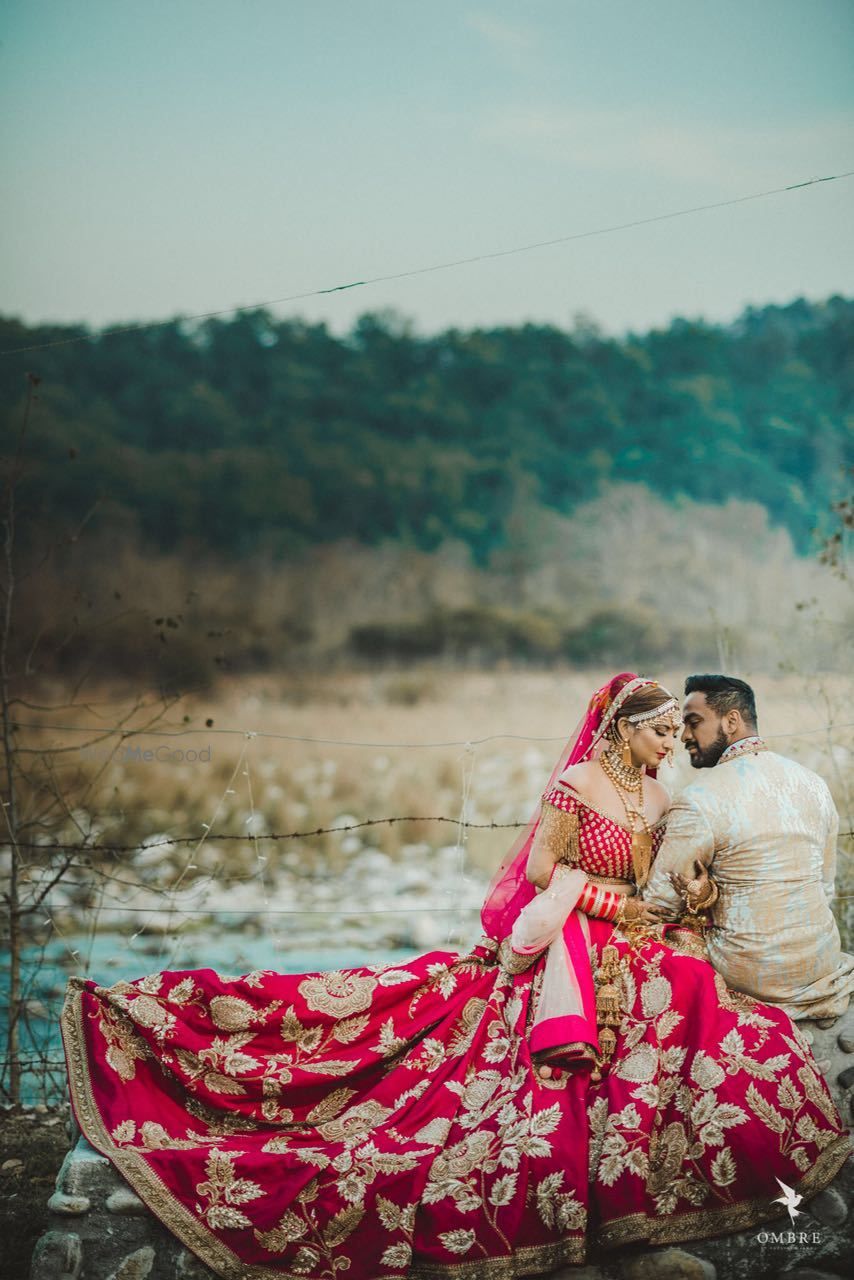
691 891
683 886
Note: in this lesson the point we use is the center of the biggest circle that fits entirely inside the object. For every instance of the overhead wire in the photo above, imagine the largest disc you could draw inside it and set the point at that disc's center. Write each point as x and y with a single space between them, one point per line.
437 266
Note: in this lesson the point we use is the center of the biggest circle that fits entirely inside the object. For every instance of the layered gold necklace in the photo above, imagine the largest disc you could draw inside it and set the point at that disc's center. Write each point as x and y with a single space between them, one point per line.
628 781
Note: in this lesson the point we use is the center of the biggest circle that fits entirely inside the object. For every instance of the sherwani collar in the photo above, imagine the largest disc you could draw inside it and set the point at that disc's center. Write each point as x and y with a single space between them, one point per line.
749 746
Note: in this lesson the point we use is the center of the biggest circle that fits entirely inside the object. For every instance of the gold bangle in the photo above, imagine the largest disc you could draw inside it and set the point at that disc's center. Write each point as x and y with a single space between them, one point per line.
701 904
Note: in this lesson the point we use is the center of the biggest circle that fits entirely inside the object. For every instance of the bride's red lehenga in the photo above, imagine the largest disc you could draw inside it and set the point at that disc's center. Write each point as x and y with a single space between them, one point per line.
388 1121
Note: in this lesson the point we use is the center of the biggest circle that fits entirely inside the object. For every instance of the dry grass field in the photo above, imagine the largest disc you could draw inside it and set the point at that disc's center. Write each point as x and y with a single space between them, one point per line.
347 748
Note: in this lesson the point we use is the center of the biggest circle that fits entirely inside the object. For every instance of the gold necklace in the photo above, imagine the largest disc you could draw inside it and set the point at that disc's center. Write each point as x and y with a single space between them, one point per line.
619 773
641 846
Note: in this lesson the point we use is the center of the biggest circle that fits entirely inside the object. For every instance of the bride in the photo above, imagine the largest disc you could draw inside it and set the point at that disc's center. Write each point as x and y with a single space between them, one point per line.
580 1077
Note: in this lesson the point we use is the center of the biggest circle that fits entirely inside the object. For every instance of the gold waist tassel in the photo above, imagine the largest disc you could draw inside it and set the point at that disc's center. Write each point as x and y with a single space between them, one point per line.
608 1015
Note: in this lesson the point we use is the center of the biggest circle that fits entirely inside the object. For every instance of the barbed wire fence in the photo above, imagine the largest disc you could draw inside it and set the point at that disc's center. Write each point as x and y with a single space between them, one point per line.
107 877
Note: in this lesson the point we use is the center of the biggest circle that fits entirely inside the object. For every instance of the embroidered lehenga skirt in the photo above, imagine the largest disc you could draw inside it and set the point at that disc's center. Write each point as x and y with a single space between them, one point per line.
388 1121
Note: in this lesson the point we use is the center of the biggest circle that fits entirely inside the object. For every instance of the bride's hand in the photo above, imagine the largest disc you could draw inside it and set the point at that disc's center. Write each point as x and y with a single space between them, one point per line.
643 912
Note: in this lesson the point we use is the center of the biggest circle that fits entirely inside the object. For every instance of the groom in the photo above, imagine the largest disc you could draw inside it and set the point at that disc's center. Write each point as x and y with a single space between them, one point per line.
760 831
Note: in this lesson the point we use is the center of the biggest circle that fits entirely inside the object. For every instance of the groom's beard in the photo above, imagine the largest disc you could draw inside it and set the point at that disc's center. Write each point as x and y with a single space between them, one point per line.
707 757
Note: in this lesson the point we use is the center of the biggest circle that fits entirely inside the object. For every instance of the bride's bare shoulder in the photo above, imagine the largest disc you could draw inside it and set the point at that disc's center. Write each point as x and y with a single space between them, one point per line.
582 778
657 796
657 792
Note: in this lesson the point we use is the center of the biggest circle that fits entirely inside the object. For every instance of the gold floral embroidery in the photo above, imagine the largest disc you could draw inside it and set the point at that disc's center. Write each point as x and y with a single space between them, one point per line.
686 942
219 1123
721 1219
514 962
231 1013
486 1154
146 1004
816 1091
464 1033
255 979
691 1159
338 994
224 1191
355 1123
154 1137
124 1047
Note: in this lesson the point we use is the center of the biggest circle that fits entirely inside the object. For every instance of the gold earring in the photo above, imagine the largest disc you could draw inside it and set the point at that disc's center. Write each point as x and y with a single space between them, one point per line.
626 752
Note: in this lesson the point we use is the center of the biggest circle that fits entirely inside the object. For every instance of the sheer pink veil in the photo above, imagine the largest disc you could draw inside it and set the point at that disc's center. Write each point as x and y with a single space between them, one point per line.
510 889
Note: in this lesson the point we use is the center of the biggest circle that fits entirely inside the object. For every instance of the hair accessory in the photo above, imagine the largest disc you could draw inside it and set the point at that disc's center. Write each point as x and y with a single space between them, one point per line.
665 716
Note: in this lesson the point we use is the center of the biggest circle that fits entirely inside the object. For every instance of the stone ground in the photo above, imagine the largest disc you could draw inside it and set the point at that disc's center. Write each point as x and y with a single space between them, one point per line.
97 1229
33 1143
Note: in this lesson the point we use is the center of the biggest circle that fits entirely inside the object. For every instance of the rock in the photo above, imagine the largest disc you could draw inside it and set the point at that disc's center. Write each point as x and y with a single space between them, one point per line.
846 1042
845 1079
70 1205
189 1267
85 1172
576 1273
829 1207
72 1128
11 1166
125 1201
806 1273
58 1255
824 1023
668 1264
136 1266
824 1065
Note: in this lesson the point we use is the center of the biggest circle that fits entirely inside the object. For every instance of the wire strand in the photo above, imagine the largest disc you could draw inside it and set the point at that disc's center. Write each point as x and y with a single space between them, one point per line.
343 742
439 266
169 841
286 835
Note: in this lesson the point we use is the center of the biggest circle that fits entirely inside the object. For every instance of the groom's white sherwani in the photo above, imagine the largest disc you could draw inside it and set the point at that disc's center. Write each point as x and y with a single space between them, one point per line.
766 828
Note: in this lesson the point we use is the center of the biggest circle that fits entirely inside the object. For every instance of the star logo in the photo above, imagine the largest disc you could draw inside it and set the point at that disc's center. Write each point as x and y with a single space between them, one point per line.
790 1199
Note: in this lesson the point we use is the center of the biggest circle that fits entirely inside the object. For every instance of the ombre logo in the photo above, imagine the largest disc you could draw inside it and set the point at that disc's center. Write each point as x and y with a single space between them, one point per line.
790 1199
789 1237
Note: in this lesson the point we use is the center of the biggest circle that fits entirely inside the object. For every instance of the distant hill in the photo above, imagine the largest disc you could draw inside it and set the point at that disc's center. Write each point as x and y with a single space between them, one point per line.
254 433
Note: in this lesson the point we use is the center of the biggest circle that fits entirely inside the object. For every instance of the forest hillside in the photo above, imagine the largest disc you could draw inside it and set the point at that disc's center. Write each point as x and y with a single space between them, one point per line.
251 491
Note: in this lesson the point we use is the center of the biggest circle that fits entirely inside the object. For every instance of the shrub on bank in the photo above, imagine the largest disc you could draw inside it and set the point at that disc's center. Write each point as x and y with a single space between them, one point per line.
617 635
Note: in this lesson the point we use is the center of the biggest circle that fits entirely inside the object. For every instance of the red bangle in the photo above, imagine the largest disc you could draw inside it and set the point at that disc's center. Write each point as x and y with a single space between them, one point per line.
596 901
587 898
611 905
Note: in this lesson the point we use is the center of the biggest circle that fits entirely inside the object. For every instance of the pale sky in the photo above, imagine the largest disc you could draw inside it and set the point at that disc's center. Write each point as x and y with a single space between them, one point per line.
167 157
